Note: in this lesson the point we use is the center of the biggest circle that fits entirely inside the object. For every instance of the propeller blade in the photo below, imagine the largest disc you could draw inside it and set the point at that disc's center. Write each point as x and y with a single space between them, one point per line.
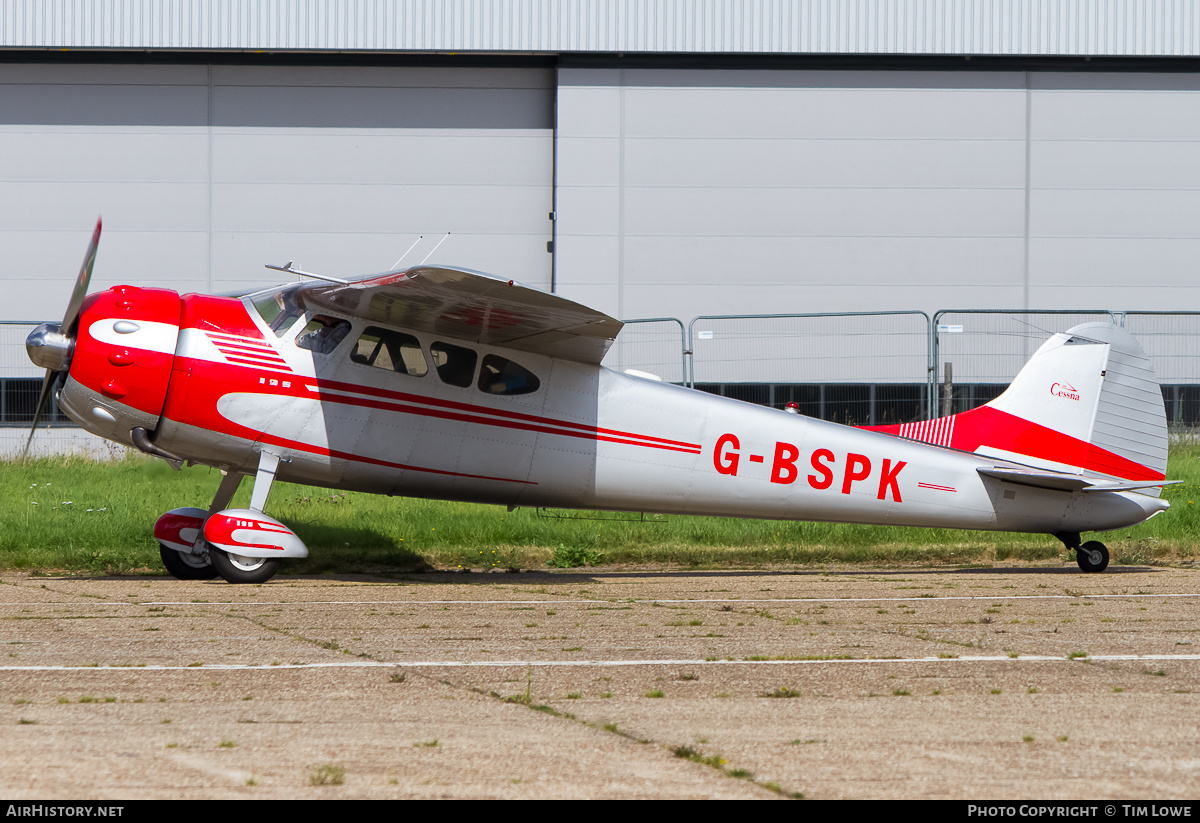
81 283
74 306
43 401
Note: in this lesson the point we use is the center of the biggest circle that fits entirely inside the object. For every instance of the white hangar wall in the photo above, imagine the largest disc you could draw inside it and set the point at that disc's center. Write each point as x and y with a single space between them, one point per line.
677 192
689 192
204 173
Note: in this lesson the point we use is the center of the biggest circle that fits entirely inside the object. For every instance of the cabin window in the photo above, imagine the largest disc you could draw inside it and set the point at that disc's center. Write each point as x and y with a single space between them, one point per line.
322 334
390 350
454 364
499 375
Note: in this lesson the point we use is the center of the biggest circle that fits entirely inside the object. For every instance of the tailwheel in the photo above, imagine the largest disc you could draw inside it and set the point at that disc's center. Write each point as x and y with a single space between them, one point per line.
1092 556
236 568
184 566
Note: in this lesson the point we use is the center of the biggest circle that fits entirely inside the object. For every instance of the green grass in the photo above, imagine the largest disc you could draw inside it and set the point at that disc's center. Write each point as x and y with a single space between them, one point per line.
76 514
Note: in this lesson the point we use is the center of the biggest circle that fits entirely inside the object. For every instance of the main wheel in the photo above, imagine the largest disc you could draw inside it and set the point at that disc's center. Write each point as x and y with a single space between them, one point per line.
185 566
236 568
1092 556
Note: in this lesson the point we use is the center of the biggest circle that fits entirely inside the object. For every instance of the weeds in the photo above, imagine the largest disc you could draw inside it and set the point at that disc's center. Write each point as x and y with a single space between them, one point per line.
571 557
783 691
329 774
688 753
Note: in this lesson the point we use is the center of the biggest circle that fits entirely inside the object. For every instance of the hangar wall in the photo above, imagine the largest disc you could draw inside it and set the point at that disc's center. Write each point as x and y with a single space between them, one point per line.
694 192
677 192
203 173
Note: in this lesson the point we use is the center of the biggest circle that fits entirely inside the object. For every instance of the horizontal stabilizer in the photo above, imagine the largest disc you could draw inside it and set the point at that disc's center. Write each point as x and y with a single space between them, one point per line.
1062 481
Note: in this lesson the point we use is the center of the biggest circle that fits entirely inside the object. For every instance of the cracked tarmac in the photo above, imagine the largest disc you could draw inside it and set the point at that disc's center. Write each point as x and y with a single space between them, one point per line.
1023 681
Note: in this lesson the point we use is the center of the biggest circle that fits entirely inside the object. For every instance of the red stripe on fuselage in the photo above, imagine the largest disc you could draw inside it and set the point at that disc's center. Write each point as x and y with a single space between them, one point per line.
577 429
546 428
230 379
256 351
258 364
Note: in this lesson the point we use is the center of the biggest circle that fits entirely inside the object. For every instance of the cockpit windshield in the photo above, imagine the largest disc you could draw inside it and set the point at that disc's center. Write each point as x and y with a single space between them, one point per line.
279 308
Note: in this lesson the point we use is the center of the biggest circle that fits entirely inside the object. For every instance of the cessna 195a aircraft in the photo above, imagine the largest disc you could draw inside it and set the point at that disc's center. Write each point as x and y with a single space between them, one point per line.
445 383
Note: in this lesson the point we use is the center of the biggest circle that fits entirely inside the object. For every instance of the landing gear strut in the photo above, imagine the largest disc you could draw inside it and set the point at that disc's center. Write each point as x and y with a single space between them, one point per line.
1091 556
240 545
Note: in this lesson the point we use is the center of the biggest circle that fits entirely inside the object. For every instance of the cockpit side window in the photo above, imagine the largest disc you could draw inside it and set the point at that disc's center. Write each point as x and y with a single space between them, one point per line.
322 334
454 364
499 375
393 350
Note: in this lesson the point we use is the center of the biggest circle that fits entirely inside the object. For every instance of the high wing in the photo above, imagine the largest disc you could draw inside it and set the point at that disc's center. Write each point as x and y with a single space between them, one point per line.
471 306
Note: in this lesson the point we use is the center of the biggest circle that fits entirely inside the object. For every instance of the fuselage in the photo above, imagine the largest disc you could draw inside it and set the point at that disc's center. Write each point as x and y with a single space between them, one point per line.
356 405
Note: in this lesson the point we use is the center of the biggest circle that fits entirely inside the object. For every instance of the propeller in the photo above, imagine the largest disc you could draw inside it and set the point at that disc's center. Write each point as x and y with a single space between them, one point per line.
49 345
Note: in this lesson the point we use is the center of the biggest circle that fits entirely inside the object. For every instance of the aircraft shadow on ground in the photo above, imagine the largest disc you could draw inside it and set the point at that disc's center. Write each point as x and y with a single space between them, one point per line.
432 576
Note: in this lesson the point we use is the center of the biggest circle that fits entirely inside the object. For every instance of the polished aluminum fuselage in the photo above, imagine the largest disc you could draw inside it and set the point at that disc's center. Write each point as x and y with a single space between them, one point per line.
588 438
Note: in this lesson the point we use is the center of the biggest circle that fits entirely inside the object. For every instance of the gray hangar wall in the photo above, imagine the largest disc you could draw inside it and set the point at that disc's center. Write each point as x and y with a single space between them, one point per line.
676 192
692 192
205 173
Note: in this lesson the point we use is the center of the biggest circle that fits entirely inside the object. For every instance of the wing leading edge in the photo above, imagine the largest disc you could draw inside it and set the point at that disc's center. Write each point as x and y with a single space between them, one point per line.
472 306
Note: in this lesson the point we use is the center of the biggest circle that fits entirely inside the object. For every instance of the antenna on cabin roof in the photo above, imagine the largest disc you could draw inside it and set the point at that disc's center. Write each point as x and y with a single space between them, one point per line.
435 248
396 265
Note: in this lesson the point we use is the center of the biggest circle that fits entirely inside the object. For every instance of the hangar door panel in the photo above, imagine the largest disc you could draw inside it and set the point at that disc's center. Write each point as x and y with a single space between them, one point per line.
204 173
341 169
714 191
80 141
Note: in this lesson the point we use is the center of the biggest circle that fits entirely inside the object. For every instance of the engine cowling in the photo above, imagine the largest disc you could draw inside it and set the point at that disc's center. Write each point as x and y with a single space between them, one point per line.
120 366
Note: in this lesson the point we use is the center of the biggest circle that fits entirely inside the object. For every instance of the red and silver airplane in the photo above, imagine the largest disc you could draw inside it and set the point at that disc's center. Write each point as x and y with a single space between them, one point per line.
445 383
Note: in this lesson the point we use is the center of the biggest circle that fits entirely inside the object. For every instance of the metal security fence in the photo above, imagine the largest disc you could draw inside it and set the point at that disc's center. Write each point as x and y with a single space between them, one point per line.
978 352
657 345
858 368
1172 340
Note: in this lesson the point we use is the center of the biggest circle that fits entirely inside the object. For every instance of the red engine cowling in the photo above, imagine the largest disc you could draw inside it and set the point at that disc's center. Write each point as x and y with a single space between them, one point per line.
121 364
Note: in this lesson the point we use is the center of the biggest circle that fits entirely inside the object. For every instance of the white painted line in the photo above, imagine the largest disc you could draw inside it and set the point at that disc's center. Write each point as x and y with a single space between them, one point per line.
306 603
495 664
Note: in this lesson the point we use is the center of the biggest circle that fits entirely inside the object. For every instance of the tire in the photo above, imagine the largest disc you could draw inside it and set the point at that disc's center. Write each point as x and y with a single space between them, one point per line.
185 566
1092 556
238 569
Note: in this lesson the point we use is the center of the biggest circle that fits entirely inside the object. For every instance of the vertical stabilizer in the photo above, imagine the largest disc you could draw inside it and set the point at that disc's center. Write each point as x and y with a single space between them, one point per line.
1086 402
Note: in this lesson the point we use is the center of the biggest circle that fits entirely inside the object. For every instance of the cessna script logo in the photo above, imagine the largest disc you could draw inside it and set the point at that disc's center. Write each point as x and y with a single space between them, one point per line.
1064 390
